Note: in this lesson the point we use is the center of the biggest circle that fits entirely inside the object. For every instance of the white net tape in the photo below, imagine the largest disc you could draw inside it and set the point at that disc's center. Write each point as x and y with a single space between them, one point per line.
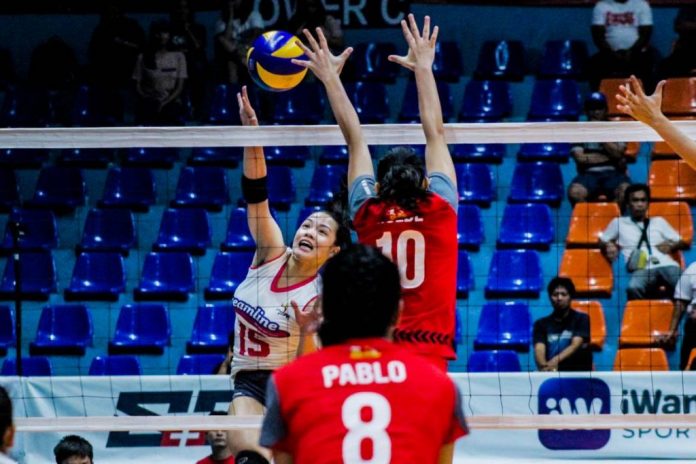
378 134
512 422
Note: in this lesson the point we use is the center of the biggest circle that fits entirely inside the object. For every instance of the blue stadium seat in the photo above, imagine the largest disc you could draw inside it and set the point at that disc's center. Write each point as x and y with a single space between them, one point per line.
469 227
63 329
515 273
223 105
564 58
23 158
60 189
132 188
370 100
465 278
305 213
224 157
494 361
13 112
202 187
502 59
9 190
108 230
39 228
447 65
295 156
504 325
199 364
211 329
115 365
409 105
537 182
238 236
141 328
151 157
478 153
371 63
526 226
34 366
556 100
486 100
166 276
98 276
229 270
334 154
8 336
184 230
326 182
281 187
38 272
475 183
90 158
304 104
558 152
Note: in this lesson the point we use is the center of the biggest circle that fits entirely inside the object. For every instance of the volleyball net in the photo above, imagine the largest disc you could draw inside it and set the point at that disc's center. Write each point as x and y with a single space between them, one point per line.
162 418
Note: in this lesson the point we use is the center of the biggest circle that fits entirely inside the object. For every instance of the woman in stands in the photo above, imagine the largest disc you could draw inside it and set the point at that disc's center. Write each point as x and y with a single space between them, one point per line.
274 305
409 210
648 110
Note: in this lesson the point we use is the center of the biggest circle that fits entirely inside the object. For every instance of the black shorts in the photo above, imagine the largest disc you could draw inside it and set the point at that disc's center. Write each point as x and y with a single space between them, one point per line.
251 384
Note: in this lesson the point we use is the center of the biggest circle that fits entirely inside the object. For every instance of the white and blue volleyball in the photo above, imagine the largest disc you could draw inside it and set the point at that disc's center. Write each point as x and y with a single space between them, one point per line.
269 61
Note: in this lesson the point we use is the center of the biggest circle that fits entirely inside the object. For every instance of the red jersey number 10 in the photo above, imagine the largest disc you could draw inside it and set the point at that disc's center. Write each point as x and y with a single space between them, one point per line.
410 255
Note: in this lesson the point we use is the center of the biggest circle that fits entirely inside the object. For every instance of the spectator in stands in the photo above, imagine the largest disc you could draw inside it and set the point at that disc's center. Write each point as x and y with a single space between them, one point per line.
73 449
647 245
217 439
7 430
601 166
561 339
189 37
684 303
113 49
159 75
682 61
239 24
621 30
310 14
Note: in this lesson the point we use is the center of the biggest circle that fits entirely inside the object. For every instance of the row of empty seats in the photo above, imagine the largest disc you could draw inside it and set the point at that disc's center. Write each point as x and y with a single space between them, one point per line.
140 328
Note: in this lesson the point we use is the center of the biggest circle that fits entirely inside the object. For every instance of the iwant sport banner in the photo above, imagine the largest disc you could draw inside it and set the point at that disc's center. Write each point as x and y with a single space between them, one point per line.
526 394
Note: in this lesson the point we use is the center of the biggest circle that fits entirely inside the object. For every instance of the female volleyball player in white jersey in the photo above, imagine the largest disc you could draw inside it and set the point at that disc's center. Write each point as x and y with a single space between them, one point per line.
275 302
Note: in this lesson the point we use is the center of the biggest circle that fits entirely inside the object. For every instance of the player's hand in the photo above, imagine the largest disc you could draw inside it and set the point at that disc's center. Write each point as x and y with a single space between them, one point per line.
321 61
246 111
309 320
421 47
634 102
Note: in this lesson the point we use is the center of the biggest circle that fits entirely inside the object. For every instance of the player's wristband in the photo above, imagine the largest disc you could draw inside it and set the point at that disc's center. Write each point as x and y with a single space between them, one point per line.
255 190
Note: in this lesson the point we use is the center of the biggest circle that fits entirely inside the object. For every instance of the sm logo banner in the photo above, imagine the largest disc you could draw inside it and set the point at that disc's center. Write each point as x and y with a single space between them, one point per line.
566 396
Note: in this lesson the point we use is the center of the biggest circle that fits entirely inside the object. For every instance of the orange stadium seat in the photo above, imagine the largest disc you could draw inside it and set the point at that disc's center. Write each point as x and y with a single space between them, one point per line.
598 325
679 96
588 221
641 359
662 149
672 180
692 356
590 271
610 87
644 321
678 214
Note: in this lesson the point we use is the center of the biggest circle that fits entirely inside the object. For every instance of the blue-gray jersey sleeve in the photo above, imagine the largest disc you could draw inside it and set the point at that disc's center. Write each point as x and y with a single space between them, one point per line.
361 190
273 428
443 186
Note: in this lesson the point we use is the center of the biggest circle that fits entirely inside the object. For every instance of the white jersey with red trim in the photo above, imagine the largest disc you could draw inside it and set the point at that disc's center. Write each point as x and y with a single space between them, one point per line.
266 334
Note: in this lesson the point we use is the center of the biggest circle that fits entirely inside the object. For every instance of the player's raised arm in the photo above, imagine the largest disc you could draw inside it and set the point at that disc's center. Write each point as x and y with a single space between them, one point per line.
647 109
264 229
327 67
419 59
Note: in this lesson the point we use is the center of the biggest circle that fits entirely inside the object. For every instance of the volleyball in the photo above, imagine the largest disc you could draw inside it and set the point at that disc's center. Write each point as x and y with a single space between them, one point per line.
269 61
